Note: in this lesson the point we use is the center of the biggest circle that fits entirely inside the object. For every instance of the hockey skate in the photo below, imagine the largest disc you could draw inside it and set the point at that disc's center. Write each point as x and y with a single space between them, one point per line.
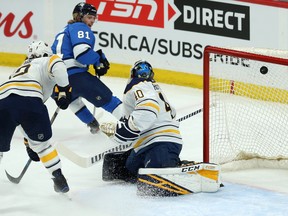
60 183
94 126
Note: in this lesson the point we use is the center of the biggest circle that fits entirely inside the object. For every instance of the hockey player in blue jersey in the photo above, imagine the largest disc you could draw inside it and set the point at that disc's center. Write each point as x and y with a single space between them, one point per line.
75 44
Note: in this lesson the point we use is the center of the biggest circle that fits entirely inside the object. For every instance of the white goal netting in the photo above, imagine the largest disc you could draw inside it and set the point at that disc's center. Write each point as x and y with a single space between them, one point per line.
247 92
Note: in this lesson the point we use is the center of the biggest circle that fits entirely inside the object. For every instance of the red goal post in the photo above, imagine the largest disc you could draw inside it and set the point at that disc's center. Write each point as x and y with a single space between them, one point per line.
245 96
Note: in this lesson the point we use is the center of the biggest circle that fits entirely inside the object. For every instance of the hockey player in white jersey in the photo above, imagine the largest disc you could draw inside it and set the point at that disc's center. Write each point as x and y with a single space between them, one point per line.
149 123
22 100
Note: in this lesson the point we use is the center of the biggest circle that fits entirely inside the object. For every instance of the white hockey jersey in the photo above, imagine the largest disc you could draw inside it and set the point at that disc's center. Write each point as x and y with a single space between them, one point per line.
152 114
36 78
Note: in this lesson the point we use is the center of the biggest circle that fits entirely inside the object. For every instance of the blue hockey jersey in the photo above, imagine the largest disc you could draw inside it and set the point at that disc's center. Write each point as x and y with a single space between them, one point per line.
75 44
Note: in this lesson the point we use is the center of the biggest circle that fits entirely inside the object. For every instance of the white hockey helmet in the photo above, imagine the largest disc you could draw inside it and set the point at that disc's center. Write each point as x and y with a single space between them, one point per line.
38 49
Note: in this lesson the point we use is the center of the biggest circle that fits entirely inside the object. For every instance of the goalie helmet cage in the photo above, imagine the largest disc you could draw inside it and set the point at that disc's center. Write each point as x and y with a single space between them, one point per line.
245 116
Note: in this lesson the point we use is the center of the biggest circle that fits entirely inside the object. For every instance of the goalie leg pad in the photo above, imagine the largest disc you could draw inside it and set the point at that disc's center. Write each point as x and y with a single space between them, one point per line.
114 167
203 177
158 155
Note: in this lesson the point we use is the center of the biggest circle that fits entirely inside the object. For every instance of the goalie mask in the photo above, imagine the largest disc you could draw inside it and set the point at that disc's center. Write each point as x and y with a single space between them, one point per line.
142 69
83 9
38 49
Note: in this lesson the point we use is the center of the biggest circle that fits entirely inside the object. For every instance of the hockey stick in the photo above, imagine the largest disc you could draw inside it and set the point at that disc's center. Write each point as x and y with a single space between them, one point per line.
194 113
94 107
88 161
190 115
18 179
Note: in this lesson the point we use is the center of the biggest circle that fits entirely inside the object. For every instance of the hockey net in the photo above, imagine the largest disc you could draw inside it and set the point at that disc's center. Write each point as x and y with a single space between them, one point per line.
245 117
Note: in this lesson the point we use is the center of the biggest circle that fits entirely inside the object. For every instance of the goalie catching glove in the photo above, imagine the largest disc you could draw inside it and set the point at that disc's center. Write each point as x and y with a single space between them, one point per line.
62 96
102 68
122 132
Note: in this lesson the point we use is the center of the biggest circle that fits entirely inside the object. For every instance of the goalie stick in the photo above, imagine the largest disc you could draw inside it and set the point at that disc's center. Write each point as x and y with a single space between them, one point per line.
190 115
194 113
87 161
16 180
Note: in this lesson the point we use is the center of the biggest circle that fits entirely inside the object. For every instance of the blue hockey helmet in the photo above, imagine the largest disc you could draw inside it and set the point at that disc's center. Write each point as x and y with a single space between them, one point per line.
82 9
142 69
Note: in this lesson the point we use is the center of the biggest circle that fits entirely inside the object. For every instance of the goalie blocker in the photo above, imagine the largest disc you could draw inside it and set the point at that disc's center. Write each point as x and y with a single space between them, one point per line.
186 179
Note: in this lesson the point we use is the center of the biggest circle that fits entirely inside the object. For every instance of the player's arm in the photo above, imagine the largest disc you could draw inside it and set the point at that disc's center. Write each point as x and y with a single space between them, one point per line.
86 55
143 116
83 41
62 89
123 132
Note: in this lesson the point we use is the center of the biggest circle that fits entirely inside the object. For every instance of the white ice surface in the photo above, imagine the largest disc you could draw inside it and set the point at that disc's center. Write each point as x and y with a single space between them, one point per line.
246 192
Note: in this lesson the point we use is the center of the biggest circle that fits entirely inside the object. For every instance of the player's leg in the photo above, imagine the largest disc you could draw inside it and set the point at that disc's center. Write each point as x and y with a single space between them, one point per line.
36 124
163 174
96 92
181 180
7 126
157 155
162 154
81 111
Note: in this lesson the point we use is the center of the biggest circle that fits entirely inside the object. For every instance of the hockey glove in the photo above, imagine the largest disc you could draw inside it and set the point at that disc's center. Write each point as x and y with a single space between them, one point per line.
122 132
62 96
108 128
32 155
126 131
102 68
94 126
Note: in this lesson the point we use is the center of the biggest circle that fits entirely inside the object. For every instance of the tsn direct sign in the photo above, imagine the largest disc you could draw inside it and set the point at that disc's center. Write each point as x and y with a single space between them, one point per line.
202 16
11 27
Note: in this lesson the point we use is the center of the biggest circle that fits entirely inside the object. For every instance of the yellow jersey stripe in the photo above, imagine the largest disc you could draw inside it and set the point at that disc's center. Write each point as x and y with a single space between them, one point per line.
20 84
138 143
53 57
151 105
